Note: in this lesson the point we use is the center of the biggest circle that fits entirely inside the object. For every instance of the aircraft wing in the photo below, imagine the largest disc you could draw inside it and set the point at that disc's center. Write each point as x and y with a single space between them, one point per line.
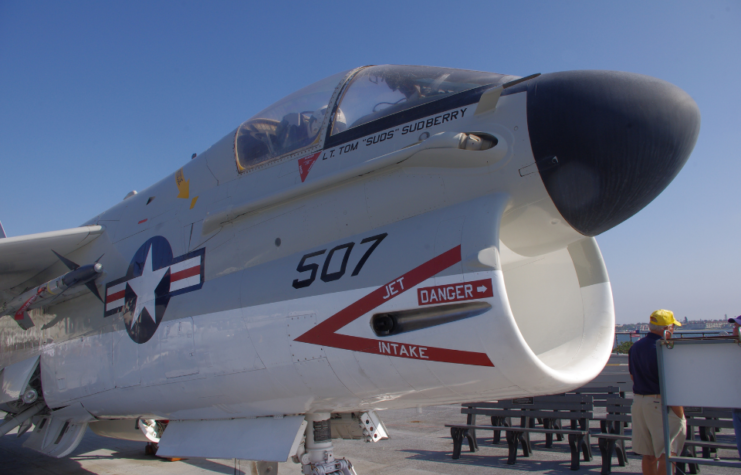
22 257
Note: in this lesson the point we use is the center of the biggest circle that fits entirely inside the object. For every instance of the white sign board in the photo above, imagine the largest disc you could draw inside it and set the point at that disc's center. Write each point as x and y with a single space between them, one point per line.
702 373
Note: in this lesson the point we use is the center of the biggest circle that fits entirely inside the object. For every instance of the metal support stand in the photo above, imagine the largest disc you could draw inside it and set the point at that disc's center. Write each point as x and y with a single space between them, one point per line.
318 455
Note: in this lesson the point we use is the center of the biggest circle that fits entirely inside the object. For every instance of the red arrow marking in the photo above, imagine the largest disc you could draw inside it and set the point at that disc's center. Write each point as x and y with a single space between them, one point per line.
305 164
325 334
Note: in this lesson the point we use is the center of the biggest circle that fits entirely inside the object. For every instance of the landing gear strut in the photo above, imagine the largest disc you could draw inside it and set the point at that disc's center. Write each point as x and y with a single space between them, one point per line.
151 448
318 457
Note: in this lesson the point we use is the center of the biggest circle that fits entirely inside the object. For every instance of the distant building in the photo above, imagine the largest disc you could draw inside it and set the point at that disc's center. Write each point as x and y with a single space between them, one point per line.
687 324
716 324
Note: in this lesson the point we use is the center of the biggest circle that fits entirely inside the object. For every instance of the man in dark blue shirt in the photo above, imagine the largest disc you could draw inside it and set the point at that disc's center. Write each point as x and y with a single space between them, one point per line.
648 429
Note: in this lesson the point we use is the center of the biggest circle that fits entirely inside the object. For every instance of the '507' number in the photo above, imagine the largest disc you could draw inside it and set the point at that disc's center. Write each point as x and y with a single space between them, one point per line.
327 276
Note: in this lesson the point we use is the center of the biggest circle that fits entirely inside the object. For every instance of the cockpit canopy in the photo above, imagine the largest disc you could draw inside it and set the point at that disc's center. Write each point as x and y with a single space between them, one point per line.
290 124
299 121
379 91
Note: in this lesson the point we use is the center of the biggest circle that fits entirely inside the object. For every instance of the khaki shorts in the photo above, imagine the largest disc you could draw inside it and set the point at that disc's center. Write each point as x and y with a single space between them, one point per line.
648 428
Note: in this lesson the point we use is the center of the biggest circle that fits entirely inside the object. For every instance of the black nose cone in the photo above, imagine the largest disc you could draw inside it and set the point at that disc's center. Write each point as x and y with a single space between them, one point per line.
607 143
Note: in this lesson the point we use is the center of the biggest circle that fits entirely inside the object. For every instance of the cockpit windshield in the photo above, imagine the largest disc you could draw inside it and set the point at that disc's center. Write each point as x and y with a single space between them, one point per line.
288 125
379 91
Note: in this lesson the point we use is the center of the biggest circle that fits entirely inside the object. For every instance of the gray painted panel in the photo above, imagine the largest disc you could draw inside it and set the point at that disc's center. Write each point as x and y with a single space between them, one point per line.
223 344
125 360
268 439
77 368
177 348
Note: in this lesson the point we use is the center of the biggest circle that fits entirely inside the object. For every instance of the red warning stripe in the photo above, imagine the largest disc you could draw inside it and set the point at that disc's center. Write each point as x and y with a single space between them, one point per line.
185 273
117 296
325 334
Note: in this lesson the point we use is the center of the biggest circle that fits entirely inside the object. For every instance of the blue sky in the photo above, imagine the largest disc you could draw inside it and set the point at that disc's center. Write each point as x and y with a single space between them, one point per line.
99 98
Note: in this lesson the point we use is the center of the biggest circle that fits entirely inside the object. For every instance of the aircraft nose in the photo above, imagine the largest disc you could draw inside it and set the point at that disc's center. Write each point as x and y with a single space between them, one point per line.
607 143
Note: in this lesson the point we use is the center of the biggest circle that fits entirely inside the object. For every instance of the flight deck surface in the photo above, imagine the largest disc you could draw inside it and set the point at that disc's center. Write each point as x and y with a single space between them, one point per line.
419 444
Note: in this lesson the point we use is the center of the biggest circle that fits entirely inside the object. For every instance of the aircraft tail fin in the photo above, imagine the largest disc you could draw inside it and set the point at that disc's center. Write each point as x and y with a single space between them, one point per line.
2 231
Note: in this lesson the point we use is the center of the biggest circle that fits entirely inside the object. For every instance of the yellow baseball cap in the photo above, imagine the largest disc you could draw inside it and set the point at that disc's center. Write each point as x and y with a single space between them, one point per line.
664 318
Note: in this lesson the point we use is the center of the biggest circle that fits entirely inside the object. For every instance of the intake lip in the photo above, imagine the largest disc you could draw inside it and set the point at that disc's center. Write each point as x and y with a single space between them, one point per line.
618 140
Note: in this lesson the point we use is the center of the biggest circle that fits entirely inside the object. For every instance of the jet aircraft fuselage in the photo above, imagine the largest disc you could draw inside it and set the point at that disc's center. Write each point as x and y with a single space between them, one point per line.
391 236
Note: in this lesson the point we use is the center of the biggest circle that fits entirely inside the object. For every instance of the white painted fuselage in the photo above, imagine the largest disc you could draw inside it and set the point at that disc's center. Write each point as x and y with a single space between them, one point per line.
236 292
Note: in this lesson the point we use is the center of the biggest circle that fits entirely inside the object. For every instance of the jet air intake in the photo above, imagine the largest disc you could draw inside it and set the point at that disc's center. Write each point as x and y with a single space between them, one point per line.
607 143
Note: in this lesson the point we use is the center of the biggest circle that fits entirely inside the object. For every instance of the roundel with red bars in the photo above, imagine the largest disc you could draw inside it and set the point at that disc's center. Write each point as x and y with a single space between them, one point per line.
154 276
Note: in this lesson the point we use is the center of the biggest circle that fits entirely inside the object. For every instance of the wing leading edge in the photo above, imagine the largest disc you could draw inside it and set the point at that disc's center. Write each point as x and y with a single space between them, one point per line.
22 257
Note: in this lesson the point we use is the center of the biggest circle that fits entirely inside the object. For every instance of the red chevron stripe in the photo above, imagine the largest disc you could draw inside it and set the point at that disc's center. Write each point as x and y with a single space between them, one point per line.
325 334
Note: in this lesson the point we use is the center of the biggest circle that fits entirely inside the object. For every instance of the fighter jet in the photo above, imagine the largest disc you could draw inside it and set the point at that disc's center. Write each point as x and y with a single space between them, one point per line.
388 237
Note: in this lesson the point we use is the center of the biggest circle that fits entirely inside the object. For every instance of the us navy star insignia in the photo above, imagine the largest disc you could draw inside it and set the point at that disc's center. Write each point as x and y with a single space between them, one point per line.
145 287
154 276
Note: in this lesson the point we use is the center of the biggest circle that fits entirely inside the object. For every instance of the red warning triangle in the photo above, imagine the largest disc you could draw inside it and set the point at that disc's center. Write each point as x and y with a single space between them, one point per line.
305 164
325 333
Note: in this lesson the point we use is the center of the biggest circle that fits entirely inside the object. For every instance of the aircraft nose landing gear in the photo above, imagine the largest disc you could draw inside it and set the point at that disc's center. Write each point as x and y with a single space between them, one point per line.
318 457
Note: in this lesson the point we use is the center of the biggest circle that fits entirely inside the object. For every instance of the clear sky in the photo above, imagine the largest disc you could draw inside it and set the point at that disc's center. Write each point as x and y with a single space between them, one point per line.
100 98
